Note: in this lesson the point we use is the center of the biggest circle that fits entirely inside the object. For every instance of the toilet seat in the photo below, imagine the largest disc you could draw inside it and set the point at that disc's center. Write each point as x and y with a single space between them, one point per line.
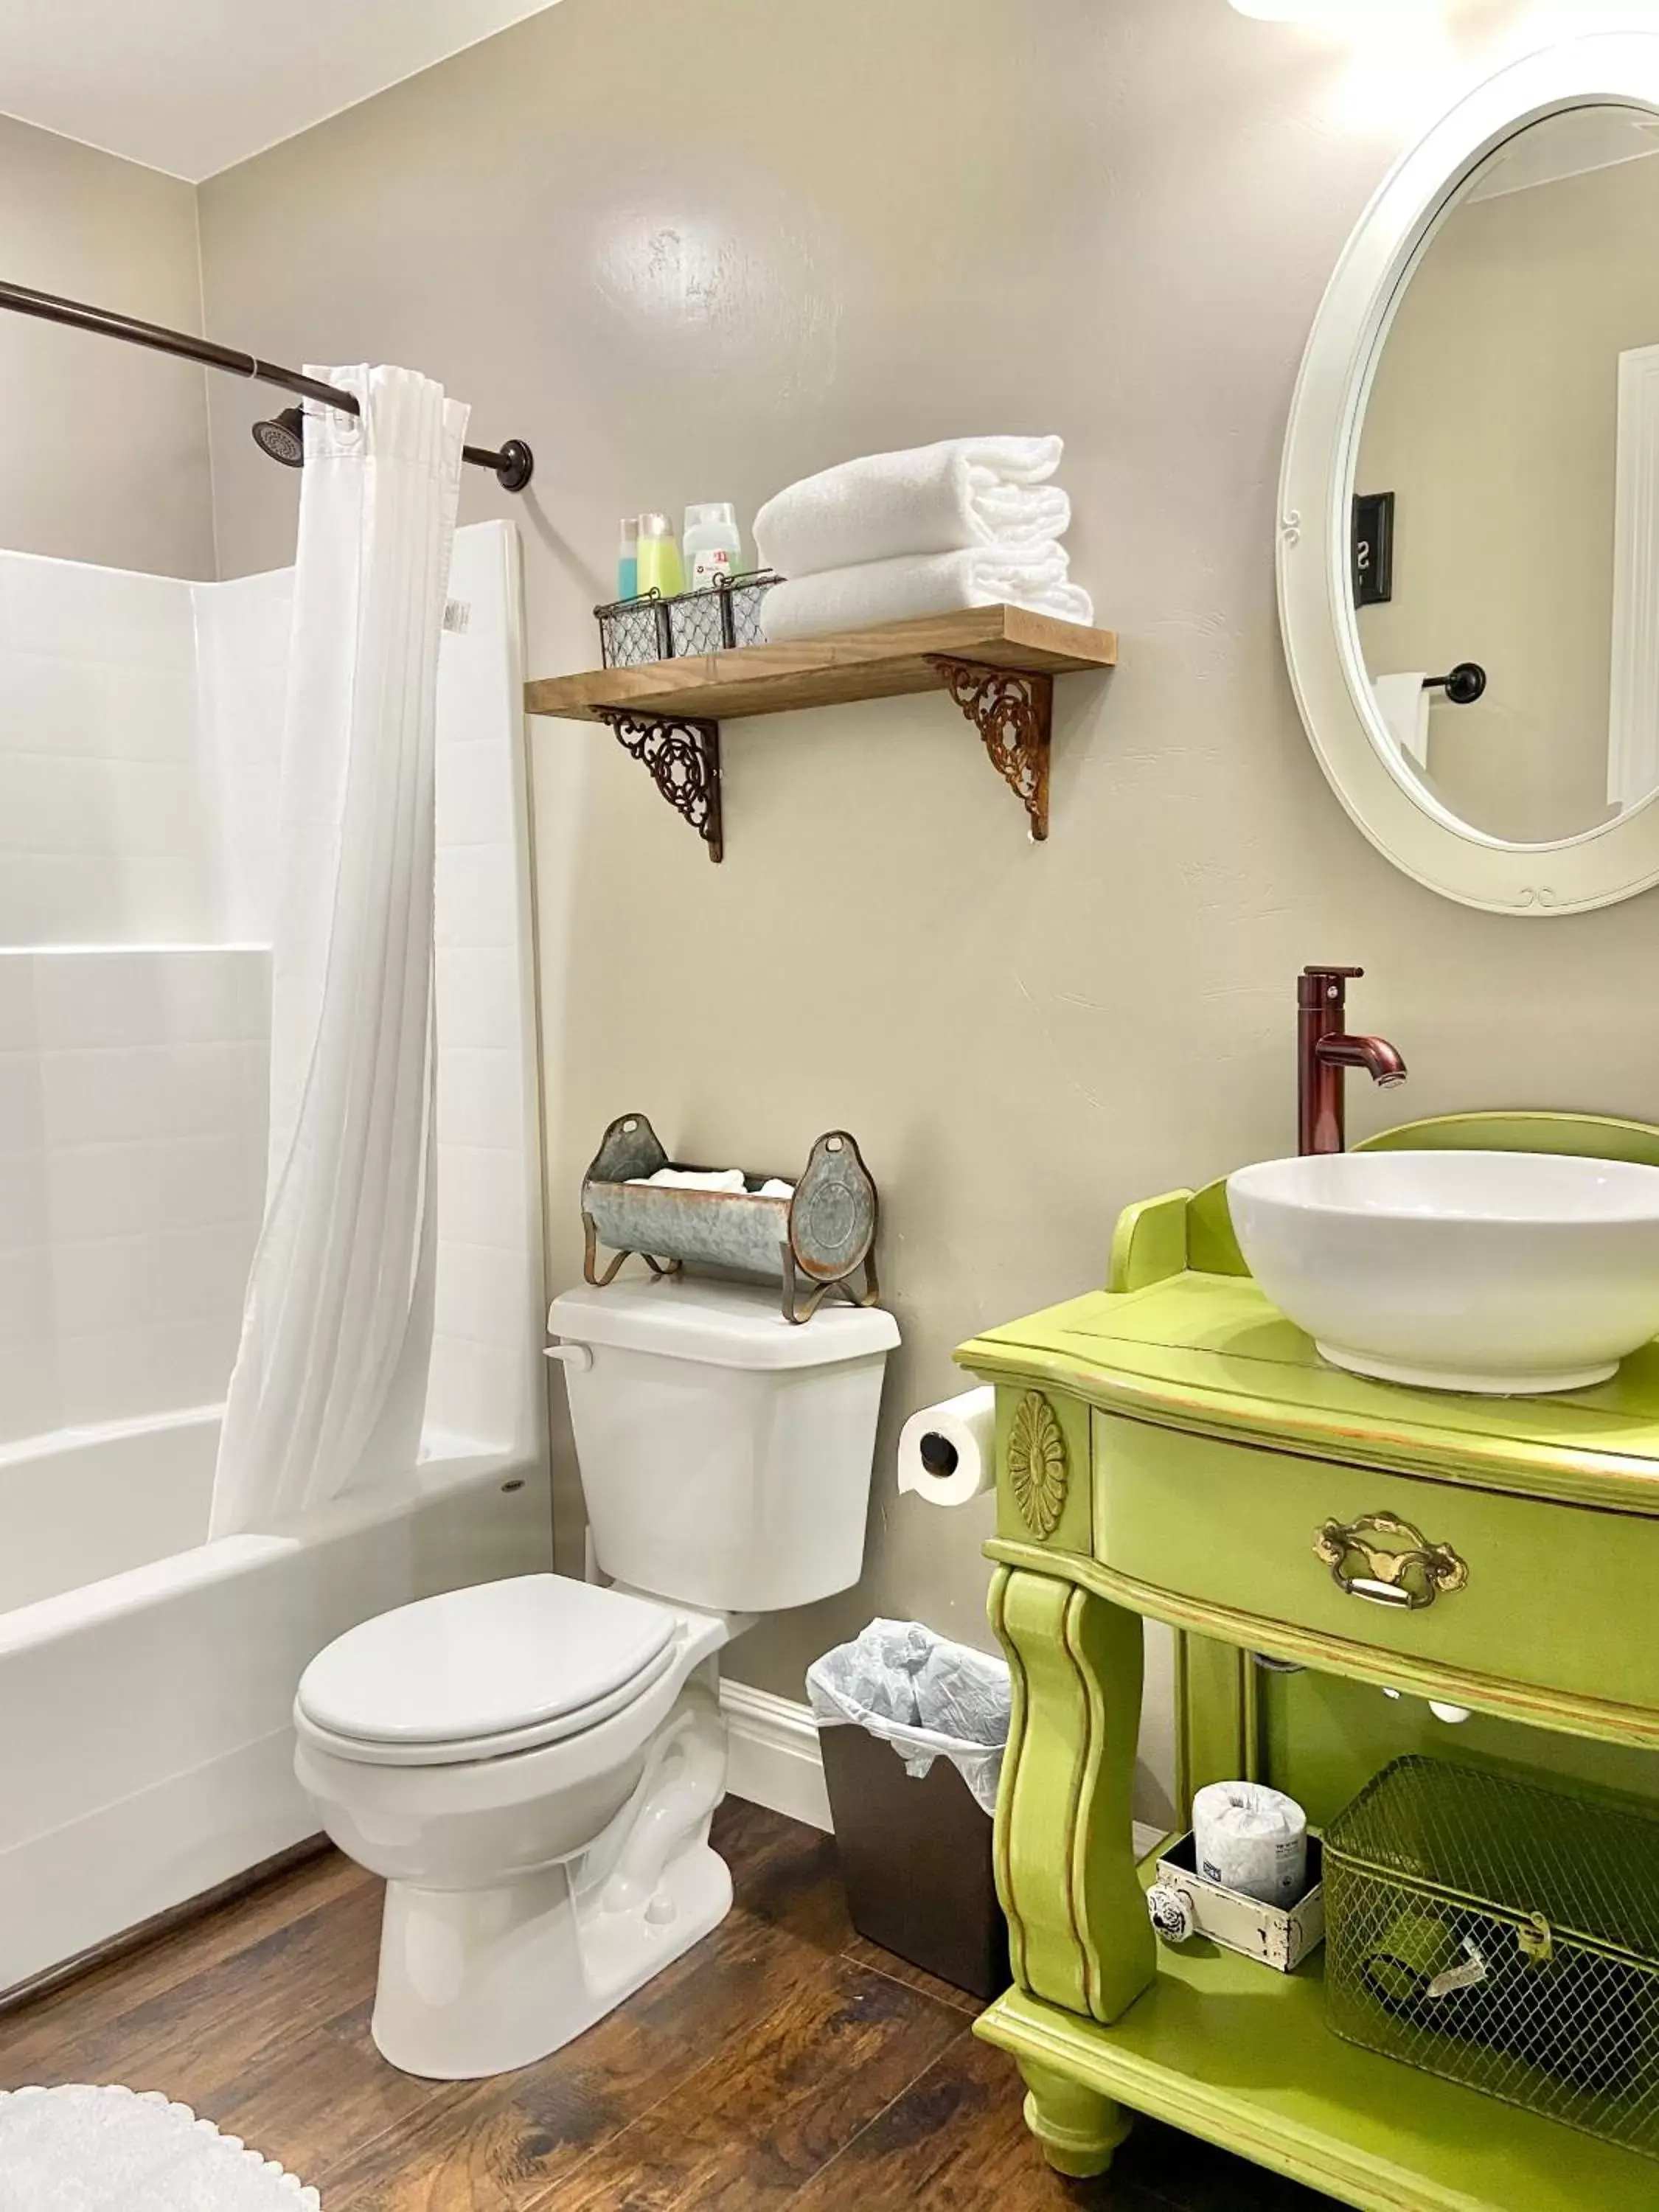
366 1751
479 1673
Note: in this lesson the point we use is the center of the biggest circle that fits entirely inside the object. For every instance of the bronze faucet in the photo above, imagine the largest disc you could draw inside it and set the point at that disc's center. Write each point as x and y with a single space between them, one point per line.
1323 1053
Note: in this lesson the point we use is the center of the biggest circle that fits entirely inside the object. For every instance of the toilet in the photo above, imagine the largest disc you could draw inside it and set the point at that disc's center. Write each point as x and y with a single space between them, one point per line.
531 1765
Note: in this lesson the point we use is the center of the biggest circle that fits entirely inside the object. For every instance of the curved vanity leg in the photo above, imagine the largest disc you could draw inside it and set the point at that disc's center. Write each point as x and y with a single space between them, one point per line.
1079 2128
1078 1934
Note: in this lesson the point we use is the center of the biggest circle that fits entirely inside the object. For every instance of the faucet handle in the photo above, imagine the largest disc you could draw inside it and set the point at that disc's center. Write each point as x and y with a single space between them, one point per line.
1320 989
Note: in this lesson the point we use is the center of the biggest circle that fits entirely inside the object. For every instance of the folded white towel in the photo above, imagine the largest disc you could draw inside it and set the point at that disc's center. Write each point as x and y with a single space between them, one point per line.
925 584
774 1187
727 1179
932 499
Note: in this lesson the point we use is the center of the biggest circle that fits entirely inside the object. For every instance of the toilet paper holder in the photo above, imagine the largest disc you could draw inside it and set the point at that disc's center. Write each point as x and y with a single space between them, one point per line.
938 1454
819 1241
947 1452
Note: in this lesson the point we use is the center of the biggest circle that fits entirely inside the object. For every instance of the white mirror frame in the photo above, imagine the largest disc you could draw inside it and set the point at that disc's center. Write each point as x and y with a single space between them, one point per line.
1321 632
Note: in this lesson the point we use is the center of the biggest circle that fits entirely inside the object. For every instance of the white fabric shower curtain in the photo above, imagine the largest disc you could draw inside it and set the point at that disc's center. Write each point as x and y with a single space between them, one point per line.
329 1383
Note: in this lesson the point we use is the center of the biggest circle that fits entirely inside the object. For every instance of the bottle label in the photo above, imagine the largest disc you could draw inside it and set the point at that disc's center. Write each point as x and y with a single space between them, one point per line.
712 565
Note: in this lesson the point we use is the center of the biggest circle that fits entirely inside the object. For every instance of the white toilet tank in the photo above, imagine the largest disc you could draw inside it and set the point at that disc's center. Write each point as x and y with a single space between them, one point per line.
724 1453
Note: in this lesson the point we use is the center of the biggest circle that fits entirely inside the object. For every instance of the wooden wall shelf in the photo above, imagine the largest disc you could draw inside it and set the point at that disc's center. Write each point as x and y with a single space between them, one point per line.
998 663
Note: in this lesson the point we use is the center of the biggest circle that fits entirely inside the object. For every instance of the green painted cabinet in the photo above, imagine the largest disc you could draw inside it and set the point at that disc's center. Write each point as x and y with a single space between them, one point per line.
1172 1448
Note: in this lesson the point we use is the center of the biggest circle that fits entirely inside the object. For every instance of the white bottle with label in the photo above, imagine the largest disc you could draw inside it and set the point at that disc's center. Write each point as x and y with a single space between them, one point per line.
713 547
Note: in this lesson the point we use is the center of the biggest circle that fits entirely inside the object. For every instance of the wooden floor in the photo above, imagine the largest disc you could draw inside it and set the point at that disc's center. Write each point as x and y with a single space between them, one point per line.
782 2062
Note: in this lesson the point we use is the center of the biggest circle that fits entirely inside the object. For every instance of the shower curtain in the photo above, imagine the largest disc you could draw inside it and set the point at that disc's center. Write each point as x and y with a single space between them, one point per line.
329 1382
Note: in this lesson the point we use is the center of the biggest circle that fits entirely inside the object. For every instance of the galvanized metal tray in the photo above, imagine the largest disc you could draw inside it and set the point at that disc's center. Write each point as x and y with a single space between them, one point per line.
816 1241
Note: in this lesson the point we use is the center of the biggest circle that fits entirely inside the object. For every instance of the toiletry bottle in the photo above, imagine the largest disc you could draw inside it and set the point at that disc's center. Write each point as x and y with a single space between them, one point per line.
659 569
713 547
628 559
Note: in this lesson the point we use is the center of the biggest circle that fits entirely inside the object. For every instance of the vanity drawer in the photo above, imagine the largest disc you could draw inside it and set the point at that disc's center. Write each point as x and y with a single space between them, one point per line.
1557 1596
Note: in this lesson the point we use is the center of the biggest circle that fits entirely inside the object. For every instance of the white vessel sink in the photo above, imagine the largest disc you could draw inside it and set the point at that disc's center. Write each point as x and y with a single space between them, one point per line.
1506 1272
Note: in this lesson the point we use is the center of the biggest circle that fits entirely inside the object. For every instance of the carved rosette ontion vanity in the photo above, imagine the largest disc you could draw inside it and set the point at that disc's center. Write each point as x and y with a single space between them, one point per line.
1172 1448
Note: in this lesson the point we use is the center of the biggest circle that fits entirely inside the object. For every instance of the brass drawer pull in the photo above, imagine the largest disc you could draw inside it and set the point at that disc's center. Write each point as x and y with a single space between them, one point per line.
1405 1571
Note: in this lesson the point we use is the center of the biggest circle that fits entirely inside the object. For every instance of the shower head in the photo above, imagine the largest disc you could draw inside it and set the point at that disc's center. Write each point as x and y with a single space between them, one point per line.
283 438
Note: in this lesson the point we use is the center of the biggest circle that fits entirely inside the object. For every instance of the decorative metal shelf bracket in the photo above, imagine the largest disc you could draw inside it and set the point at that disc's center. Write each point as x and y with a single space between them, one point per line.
684 756
1013 711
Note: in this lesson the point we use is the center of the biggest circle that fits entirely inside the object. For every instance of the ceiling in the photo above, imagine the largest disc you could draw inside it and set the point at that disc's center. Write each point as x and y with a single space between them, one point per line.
1568 145
193 86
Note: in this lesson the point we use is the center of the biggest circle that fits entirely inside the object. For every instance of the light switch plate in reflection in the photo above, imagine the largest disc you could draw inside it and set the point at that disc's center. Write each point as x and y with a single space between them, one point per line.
1373 549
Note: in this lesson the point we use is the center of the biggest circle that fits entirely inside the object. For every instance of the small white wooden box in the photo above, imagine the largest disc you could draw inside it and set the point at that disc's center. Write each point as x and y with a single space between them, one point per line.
1277 1936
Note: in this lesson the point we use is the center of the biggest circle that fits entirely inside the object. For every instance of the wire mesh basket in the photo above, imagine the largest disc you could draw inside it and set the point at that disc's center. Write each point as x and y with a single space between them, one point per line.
632 631
1502 1935
715 620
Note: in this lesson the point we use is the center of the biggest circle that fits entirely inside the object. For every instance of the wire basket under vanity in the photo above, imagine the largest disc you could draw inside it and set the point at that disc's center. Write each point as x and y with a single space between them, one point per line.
1502 1935
716 620
817 1234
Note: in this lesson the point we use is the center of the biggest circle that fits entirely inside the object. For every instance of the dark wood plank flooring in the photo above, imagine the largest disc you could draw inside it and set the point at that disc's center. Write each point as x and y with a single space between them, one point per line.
785 2062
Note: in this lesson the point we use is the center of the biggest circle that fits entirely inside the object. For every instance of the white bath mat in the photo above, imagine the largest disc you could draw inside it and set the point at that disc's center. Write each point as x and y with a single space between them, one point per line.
82 2149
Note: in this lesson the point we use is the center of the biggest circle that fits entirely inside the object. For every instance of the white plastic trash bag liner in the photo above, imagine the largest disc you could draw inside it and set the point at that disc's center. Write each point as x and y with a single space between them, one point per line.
928 1699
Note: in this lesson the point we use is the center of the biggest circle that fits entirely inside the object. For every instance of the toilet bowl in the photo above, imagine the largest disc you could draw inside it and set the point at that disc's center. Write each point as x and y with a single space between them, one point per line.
531 1765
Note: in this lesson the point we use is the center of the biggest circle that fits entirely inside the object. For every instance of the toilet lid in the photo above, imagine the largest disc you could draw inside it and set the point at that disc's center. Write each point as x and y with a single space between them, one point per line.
490 1661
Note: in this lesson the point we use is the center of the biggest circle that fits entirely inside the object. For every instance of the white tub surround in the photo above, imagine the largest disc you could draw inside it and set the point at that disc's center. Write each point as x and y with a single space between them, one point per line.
142 713
84 1504
147 1675
107 824
146 1733
131 1162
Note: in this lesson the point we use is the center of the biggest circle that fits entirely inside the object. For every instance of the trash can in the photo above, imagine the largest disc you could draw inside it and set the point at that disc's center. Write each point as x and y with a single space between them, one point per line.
912 1730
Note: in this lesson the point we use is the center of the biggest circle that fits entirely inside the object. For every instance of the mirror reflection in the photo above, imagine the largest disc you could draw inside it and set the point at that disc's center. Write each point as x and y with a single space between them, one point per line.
1506 522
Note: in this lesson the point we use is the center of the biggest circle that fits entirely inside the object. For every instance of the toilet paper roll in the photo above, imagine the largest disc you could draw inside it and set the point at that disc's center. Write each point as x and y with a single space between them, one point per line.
947 1453
1252 1840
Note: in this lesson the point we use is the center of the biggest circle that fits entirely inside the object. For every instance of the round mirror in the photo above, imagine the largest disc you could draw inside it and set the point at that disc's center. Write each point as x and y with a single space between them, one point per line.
1469 541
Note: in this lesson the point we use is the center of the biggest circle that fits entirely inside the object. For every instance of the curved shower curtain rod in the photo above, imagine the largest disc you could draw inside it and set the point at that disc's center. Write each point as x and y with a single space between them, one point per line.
513 465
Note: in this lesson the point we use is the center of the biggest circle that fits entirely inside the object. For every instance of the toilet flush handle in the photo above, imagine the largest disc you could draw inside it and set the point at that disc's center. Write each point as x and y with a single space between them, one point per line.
573 1355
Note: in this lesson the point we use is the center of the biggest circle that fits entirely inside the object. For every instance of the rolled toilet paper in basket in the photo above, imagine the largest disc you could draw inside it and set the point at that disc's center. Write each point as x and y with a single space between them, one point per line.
1252 1840
947 1453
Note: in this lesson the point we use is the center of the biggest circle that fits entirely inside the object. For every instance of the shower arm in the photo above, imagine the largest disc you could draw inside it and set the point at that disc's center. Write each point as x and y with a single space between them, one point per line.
513 465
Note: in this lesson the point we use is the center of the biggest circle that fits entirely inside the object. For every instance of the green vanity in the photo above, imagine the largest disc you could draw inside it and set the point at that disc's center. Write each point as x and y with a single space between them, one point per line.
1173 1449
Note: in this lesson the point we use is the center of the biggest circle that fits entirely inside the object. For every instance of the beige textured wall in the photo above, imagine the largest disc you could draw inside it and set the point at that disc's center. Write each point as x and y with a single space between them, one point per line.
693 252
104 456
1495 420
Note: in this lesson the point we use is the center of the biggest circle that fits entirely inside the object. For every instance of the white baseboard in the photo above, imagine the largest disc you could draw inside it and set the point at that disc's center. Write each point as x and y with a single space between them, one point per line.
772 1757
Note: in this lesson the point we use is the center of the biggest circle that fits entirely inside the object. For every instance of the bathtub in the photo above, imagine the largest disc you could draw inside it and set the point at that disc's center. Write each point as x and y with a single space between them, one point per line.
146 1676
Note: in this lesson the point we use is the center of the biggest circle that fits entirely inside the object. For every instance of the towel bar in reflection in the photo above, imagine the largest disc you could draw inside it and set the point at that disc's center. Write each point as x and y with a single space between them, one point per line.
1465 683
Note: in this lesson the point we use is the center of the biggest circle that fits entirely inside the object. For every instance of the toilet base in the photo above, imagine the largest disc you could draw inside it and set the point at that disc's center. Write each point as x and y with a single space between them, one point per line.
476 1982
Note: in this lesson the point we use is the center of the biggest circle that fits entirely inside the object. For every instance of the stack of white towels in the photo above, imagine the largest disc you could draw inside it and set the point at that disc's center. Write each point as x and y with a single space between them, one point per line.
971 522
